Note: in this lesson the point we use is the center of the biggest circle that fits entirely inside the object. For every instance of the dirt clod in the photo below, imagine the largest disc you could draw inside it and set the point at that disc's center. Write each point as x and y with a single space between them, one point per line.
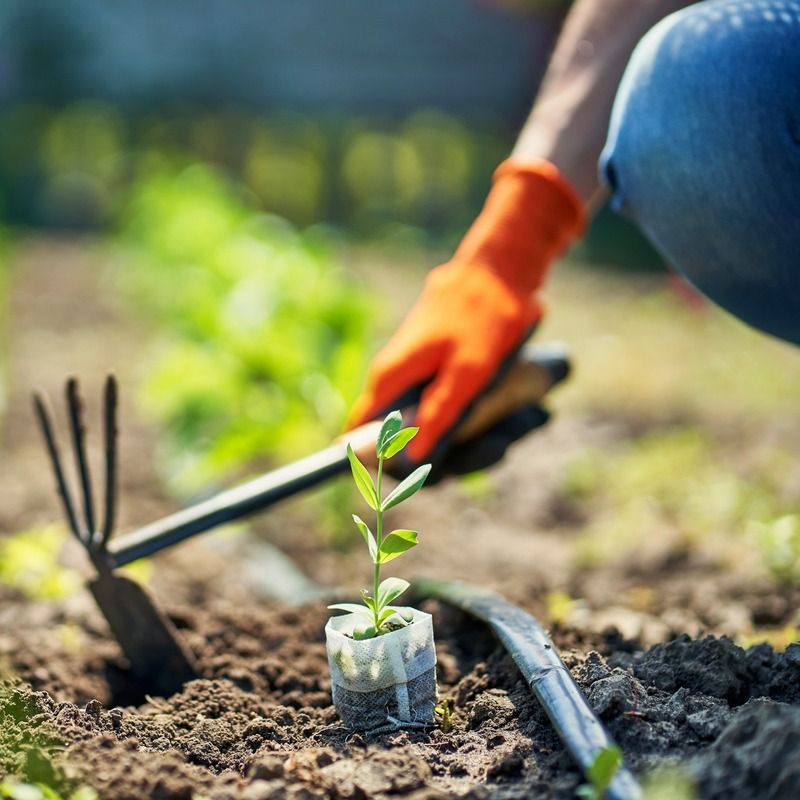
757 755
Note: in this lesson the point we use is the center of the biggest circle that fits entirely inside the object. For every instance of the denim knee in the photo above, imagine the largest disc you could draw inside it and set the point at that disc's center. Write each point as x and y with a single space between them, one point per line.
703 152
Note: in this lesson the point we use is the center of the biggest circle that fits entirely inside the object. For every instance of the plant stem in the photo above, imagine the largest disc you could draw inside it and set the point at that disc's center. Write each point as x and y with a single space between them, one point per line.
376 578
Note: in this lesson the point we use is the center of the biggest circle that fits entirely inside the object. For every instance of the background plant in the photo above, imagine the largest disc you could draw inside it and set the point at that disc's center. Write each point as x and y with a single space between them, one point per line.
29 562
679 480
380 616
263 333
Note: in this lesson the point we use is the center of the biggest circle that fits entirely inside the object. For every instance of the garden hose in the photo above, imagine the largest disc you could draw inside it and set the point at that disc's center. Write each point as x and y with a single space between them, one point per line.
537 658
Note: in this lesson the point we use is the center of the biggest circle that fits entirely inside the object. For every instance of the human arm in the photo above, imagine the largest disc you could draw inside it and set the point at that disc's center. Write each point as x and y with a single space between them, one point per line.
569 120
476 310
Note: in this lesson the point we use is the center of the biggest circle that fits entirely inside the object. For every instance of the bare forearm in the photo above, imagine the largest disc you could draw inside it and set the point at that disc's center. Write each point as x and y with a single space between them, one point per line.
569 121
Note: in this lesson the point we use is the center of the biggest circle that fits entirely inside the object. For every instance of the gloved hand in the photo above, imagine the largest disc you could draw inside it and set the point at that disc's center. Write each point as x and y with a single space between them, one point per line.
475 311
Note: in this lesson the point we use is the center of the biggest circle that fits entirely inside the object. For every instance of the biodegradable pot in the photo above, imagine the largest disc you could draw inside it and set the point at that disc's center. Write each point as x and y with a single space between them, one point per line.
386 681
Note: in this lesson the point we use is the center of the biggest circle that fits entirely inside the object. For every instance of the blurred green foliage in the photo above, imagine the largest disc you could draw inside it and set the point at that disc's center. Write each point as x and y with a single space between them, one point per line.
73 166
263 333
671 782
778 541
17 790
29 562
416 180
674 480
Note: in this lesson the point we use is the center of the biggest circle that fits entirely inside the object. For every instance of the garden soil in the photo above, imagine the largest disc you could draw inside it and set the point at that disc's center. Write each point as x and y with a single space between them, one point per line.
647 648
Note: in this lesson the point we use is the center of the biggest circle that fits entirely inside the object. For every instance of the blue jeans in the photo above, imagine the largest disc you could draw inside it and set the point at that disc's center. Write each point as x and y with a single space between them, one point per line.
703 153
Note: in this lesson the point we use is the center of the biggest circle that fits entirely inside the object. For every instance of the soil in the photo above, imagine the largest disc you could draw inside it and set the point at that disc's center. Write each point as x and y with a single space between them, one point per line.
259 723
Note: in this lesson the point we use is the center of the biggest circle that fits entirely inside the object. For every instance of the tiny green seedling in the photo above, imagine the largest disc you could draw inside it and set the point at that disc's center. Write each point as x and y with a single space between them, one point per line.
443 712
600 774
380 616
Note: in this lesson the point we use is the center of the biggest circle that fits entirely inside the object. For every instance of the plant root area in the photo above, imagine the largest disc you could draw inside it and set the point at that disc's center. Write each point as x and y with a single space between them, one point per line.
642 628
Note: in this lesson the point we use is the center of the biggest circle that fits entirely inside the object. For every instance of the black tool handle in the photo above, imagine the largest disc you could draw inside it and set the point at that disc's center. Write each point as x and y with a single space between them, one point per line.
229 505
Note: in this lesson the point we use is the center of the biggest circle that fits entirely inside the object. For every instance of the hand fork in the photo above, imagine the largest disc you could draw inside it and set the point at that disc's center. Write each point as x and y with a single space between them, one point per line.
158 659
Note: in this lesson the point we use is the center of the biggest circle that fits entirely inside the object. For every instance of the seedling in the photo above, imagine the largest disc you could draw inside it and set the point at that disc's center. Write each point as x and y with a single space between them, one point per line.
443 712
379 615
600 774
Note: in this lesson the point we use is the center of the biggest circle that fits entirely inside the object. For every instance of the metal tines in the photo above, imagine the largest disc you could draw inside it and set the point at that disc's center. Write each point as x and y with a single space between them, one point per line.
93 536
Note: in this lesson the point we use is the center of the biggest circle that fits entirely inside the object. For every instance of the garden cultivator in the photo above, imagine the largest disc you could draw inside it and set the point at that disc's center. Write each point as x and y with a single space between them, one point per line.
157 656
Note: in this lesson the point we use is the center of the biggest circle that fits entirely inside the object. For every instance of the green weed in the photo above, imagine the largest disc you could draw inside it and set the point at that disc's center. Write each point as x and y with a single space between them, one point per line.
443 712
600 774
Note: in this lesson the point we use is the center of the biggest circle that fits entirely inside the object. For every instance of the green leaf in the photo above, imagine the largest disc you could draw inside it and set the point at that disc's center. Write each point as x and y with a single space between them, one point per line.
396 543
391 425
367 600
602 769
368 537
397 442
365 632
350 608
390 589
363 479
387 614
407 487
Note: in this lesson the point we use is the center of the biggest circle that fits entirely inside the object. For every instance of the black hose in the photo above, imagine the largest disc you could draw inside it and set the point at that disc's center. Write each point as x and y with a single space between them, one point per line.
537 658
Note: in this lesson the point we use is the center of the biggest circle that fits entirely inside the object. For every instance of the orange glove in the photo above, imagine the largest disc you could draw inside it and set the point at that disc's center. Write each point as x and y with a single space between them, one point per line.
476 310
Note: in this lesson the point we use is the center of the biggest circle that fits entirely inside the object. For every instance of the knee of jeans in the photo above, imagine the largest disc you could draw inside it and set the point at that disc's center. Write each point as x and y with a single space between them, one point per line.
653 109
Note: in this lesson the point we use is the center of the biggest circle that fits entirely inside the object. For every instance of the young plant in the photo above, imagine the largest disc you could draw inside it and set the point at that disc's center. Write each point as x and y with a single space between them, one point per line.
600 774
380 616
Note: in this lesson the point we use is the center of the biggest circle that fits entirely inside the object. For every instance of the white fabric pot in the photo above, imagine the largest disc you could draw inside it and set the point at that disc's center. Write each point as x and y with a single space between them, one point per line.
385 681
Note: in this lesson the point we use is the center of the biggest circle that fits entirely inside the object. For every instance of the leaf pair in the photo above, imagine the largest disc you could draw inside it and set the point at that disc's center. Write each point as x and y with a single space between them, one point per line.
393 545
407 487
388 591
393 437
